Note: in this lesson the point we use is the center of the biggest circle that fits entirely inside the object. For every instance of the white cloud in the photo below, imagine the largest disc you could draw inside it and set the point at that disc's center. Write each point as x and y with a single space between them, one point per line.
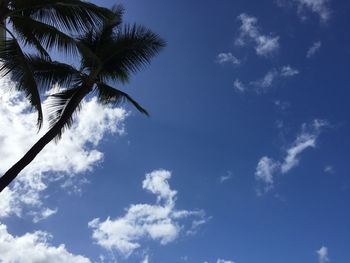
313 49
226 177
43 214
33 248
239 86
223 58
303 141
323 254
265 45
288 71
318 7
75 154
265 83
282 105
146 259
222 261
159 222
268 168
329 169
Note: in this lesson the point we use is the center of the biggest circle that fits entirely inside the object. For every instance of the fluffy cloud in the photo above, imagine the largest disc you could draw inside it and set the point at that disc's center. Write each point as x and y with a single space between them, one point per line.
33 248
265 45
267 168
323 254
159 221
313 49
224 58
75 154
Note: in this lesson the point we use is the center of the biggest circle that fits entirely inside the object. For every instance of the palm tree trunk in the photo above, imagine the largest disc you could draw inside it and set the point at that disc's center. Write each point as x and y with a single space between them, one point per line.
3 6
12 173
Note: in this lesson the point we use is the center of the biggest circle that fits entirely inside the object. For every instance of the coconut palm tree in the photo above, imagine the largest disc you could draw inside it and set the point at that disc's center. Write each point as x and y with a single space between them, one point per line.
108 55
41 24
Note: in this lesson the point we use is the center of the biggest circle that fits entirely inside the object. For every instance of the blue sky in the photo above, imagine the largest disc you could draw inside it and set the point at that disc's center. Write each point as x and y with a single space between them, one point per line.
244 158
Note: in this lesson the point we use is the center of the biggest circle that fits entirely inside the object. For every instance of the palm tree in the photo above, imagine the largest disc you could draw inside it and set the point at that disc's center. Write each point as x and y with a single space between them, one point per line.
41 24
109 54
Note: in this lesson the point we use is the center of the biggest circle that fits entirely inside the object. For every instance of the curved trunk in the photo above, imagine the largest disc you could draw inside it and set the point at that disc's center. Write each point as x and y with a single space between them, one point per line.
12 173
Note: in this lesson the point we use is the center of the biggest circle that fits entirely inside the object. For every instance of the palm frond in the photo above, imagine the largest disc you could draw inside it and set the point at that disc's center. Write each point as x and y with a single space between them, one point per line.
24 32
43 36
110 95
47 73
62 108
15 64
132 48
109 26
71 15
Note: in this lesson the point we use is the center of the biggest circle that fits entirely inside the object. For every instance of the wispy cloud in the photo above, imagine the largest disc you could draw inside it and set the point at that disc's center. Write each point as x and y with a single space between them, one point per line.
329 169
226 177
271 77
227 58
318 7
34 247
268 168
74 155
305 140
323 255
288 71
43 214
267 81
160 221
265 45
282 105
222 261
313 49
239 86
265 172
264 84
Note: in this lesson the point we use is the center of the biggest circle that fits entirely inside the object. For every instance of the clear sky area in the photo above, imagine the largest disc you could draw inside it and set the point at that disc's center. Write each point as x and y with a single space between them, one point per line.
244 159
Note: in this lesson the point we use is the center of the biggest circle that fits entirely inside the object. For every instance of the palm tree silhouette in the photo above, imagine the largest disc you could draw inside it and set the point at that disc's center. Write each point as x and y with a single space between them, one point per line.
41 24
108 54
